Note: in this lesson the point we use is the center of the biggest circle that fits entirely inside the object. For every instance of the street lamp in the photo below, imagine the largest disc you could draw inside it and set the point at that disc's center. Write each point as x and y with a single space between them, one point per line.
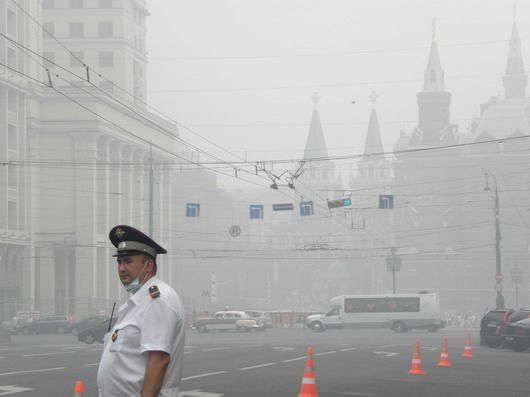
393 264
499 304
517 278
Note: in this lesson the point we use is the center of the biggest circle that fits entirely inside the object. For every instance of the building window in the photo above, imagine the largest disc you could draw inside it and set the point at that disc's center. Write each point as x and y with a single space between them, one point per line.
12 215
11 22
11 58
77 29
105 29
77 59
76 3
48 4
48 27
193 210
106 59
12 137
12 98
306 208
49 59
105 4
256 212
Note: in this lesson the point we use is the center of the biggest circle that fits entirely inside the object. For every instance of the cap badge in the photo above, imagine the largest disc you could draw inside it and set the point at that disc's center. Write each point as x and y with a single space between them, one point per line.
119 232
122 244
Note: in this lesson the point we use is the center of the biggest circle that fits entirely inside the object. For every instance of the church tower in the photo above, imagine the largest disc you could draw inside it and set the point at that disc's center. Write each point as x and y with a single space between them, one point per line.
515 78
433 101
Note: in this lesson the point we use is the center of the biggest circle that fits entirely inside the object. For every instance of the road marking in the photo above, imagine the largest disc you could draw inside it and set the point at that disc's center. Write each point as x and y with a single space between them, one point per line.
294 359
5 390
198 393
32 370
46 354
284 349
204 375
215 349
91 364
257 366
76 347
325 353
348 349
393 345
188 352
387 354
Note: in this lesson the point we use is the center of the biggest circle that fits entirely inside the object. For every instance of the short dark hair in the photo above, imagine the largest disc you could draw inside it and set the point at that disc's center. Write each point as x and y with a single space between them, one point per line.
146 257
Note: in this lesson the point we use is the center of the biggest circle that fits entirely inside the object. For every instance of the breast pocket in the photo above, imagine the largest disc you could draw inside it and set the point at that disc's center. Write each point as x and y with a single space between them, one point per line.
124 337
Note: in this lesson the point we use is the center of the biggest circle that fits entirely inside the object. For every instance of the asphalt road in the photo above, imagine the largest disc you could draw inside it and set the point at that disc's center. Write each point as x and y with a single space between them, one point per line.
271 363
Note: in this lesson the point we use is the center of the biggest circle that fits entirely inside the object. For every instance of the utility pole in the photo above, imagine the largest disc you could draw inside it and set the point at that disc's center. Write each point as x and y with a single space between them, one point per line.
499 303
393 264
151 189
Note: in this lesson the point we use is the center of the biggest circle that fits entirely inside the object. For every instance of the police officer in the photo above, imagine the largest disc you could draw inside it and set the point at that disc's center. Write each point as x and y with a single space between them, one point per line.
143 352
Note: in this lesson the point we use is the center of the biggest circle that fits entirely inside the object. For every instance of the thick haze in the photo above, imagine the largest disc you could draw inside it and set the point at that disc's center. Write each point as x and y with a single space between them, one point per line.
241 72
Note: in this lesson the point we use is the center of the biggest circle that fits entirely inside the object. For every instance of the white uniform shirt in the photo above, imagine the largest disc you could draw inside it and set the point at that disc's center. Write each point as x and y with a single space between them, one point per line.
144 324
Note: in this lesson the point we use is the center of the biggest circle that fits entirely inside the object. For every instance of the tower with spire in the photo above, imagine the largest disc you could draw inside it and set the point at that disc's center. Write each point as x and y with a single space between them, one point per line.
515 78
433 102
320 172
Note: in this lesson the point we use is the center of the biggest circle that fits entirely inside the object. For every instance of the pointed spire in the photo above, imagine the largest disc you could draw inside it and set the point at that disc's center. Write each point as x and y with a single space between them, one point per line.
515 78
434 75
316 144
373 143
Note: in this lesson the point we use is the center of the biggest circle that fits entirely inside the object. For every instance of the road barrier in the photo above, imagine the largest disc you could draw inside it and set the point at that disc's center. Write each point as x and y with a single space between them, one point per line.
468 353
416 367
78 388
444 356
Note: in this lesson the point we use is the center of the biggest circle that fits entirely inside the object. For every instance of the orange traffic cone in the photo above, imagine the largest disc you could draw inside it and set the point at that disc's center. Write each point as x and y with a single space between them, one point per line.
308 388
78 388
444 357
416 368
468 353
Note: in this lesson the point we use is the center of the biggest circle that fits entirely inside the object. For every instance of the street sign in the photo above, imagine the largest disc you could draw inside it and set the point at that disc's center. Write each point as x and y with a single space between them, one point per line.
234 231
499 277
342 202
283 207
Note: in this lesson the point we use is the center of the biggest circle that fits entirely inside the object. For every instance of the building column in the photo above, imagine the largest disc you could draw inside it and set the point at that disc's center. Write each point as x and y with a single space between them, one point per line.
85 152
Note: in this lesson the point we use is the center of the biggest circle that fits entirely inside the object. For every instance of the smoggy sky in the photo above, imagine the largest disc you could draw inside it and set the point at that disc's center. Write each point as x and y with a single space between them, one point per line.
241 72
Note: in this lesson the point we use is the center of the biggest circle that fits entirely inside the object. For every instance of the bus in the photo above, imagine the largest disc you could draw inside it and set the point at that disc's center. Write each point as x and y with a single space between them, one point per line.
400 312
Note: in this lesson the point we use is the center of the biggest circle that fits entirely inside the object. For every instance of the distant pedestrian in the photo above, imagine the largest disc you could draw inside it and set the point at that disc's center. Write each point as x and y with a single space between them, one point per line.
143 352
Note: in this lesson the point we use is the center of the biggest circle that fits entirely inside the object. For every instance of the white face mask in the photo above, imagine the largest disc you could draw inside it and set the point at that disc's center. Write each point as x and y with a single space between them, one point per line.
135 285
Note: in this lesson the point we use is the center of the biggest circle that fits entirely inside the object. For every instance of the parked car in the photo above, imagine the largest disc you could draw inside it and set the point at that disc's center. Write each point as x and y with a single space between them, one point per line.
517 335
264 318
513 318
491 325
86 322
226 320
45 325
95 333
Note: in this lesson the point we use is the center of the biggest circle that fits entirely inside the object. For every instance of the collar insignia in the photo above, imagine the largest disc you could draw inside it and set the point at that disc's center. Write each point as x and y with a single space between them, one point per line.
114 336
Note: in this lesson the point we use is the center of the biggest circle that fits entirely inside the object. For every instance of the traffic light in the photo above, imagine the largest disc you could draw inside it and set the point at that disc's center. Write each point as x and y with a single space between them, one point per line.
342 202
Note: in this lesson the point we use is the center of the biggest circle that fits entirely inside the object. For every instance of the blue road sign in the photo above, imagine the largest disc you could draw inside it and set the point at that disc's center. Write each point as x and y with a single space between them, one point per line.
386 201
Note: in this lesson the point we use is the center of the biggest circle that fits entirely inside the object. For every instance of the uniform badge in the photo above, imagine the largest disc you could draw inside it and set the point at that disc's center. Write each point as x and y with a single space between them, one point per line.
119 232
154 292
114 336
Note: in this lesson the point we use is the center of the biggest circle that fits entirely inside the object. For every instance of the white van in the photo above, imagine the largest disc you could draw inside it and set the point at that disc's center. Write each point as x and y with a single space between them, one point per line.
397 312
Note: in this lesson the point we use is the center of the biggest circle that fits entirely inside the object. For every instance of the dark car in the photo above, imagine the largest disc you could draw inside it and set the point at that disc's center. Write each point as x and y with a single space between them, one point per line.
95 333
491 326
87 322
45 325
513 318
517 335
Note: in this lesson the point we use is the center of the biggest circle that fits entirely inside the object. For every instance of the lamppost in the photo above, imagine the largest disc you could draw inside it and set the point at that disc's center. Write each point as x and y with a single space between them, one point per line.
393 264
517 278
499 304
